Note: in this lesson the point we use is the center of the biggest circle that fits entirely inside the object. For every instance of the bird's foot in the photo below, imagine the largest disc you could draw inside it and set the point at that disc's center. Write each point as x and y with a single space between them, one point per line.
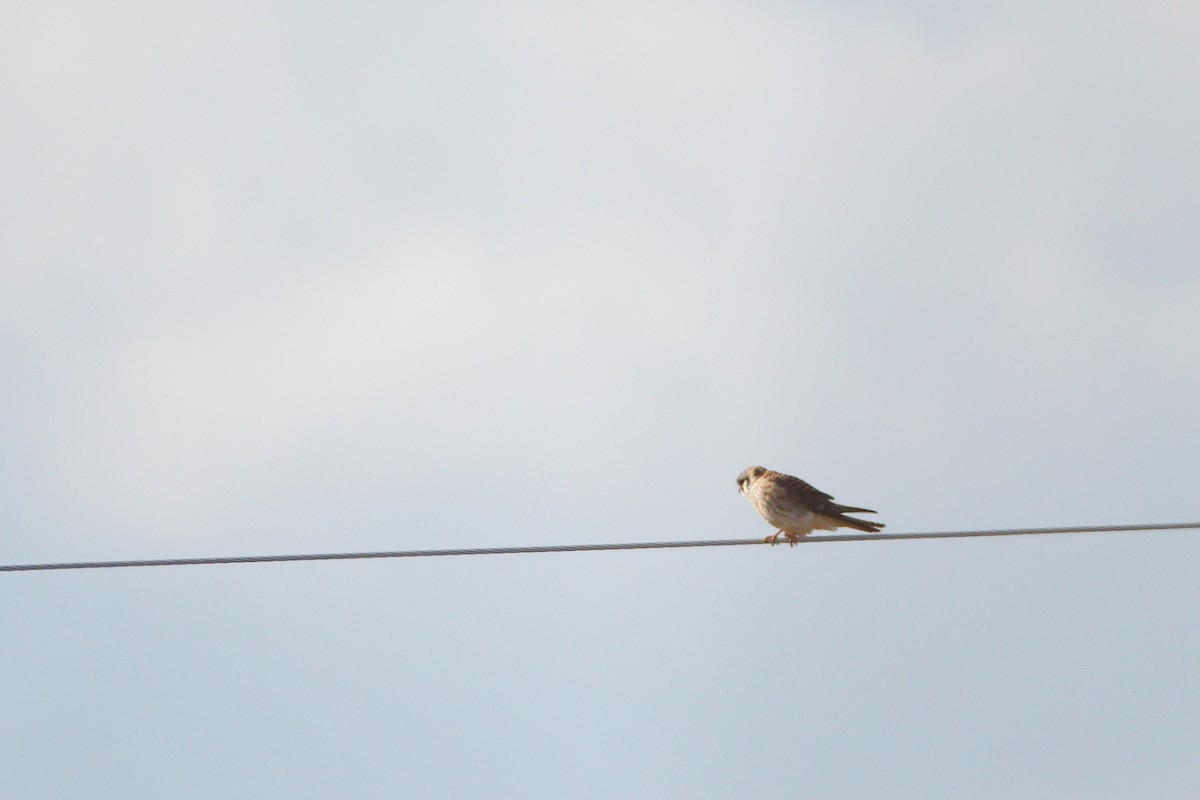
773 538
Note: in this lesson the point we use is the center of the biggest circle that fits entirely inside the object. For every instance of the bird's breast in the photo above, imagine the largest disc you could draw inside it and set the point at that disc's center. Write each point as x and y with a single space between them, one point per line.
777 510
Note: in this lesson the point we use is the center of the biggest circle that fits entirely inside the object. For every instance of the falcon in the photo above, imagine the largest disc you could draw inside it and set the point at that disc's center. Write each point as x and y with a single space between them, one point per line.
795 507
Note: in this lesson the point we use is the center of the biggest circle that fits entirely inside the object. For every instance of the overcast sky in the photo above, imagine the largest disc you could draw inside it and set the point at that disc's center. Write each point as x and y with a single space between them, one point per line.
318 277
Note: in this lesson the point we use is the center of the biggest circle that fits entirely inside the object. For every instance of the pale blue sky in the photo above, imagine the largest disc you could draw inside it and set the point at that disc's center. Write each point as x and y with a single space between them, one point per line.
340 276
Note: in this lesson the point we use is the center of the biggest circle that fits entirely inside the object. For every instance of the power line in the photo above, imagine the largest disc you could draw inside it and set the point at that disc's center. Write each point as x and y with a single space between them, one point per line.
577 548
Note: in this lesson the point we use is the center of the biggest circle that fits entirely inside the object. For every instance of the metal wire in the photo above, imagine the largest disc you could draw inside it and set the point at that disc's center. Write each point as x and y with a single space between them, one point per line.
576 548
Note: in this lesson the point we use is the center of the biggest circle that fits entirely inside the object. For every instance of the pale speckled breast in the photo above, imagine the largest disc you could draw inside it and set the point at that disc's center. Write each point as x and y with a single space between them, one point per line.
773 505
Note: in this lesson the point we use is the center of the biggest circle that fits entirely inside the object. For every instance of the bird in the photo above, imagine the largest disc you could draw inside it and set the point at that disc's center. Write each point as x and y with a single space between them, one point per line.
795 507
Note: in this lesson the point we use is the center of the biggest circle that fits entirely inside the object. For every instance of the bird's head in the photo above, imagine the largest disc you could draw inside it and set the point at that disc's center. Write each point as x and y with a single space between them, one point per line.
747 476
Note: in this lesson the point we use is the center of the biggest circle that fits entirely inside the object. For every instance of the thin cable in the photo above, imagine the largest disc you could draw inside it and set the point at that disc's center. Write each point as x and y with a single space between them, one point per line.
576 548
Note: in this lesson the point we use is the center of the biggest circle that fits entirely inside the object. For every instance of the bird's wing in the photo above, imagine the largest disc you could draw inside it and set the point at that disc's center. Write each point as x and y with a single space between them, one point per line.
815 500
800 492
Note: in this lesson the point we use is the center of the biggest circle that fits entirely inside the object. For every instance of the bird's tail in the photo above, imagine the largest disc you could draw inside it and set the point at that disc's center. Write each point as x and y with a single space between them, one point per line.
857 524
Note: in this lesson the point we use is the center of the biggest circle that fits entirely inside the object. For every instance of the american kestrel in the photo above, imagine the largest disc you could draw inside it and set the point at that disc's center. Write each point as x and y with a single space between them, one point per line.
796 508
